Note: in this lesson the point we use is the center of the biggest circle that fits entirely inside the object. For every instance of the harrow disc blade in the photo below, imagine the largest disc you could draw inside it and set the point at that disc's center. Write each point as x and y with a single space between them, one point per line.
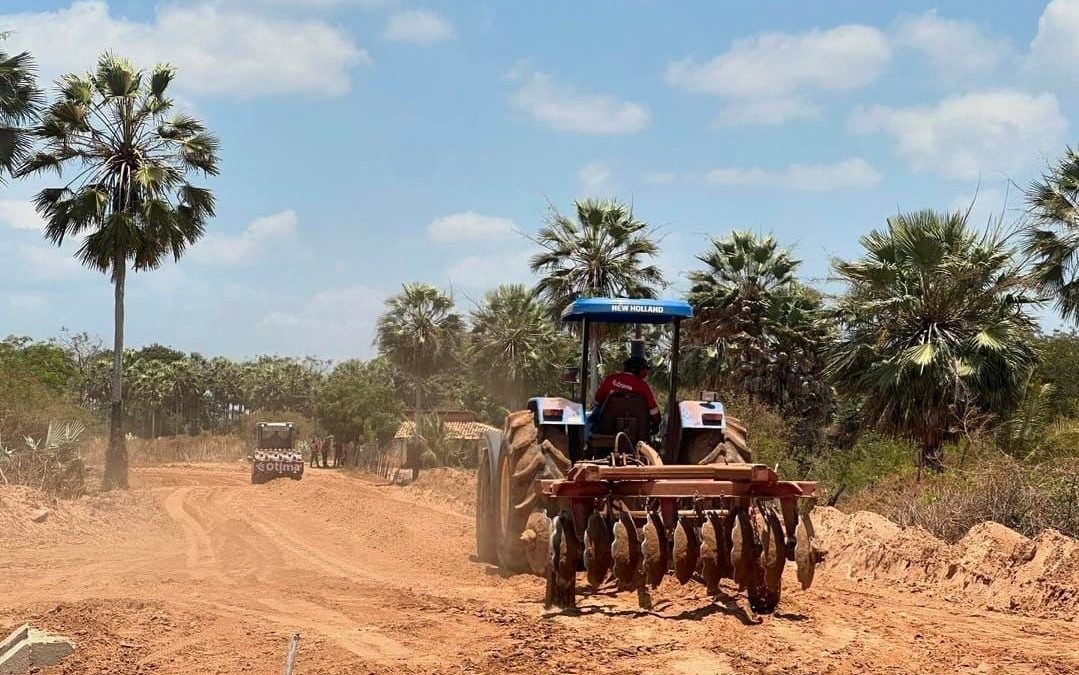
743 555
537 541
654 550
562 569
597 549
687 549
625 550
775 553
725 525
804 557
711 538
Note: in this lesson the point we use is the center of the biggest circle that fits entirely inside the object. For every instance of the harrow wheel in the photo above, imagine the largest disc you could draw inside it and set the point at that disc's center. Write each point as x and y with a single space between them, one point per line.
625 551
562 565
711 538
687 550
805 558
654 548
522 461
743 549
537 542
766 576
597 549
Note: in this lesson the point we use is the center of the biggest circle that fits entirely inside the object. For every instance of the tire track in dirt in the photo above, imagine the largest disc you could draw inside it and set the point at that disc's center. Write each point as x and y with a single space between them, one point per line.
377 583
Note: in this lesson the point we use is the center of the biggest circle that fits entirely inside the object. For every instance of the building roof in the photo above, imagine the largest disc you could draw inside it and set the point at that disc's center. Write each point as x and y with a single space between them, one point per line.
460 431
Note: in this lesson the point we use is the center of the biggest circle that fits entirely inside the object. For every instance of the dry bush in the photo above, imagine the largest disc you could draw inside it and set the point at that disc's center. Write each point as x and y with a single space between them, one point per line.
1026 498
51 463
170 449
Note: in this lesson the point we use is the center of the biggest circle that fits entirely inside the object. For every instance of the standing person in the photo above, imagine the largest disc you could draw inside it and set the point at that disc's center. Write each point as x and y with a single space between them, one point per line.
338 454
313 446
326 446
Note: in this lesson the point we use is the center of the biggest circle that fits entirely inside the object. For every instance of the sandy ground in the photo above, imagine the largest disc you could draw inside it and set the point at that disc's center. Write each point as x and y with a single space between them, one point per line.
197 571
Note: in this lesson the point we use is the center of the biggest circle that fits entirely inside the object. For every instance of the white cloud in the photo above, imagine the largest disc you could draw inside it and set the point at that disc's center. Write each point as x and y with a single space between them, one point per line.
483 272
954 48
563 107
419 26
322 4
26 301
261 237
219 50
20 215
48 263
965 136
770 112
595 178
335 322
853 172
469 226
989 205
659 177
769 78
1056 45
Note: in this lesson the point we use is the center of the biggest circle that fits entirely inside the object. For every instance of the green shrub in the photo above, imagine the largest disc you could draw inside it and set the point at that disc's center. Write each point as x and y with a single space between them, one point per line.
872 458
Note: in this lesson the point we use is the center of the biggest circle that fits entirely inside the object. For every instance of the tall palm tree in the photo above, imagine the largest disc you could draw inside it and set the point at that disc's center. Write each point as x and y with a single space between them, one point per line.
20 103
128 159
935 325
515 346
742 267
421 334
1052 238
605 252
756 327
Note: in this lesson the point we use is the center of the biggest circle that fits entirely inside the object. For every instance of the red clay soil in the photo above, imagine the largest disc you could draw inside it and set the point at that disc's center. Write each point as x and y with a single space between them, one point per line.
197 571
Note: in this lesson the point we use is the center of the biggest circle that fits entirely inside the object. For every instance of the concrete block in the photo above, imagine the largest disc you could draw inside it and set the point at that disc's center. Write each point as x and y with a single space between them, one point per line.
28 648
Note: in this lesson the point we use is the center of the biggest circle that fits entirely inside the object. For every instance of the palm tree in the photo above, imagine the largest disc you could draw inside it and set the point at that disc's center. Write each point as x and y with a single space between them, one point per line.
935 325
1052 238
20 103
602 253
605 252
741 268
128 195
420 334
515 346
756 327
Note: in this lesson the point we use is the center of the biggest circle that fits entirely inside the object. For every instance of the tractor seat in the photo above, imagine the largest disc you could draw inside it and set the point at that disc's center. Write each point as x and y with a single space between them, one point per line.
620 413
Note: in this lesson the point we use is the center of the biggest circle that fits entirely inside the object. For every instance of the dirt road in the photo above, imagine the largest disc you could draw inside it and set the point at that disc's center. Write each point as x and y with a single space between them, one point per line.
201 572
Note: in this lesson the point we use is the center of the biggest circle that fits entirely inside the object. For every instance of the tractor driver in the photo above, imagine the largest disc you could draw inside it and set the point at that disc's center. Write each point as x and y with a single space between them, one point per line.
631 381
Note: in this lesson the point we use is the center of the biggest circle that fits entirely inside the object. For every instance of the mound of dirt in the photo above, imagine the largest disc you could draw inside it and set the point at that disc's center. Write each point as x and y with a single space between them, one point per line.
72 520
452 488
992 565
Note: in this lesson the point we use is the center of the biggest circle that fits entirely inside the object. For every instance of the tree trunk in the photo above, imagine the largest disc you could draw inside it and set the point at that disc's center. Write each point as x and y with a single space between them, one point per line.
415 453
116 455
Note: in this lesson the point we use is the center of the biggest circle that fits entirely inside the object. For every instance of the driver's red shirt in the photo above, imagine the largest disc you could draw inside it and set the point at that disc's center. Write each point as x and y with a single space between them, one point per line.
630 384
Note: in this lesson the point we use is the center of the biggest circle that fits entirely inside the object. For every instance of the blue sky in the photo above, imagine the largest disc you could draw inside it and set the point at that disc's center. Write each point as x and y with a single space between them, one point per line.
371 142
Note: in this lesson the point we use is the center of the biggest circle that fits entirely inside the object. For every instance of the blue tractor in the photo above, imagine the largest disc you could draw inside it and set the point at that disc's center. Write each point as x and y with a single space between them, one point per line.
568 487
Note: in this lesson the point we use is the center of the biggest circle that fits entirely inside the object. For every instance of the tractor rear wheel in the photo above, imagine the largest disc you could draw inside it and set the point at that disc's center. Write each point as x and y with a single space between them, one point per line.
522 461
718 447
486 512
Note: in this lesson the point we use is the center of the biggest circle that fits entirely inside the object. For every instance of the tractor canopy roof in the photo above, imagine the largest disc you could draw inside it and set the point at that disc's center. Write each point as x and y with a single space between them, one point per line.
624 310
